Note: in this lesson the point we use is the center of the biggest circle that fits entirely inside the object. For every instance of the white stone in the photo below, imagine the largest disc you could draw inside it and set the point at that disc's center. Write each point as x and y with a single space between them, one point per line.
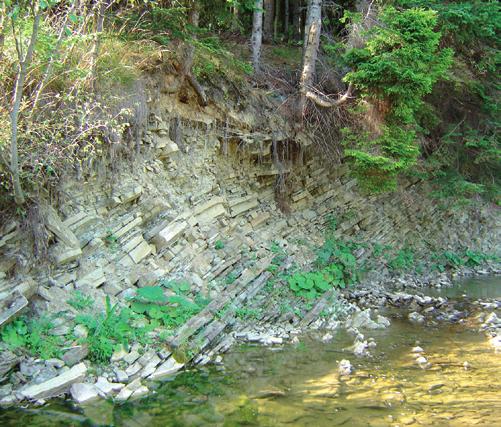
80 331
122 377
82 392
415 317
345 367
150 366
57 385
169 234
169 367
94 279
105 388
492 319
140 391
127 391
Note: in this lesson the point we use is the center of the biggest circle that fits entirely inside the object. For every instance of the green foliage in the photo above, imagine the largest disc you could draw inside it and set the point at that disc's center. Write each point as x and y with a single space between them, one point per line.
170 311
467 164
467 23
231 278
247 313
378 161
219 245
336 266
108 330
311 284
401 61
464 158
397 67
80 301
452 260
402 261
34 335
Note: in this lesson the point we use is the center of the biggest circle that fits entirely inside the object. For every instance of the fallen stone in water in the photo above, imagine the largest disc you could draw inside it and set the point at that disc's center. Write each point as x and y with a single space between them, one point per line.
492 319
121 376
83 392
415 317
345 368
130 389
363 320
266 394
360 348
169 367
57 385
436 386
105 388
417 349
327 338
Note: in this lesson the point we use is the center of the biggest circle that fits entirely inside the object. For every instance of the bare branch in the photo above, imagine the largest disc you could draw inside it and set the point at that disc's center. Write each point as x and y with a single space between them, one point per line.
328 103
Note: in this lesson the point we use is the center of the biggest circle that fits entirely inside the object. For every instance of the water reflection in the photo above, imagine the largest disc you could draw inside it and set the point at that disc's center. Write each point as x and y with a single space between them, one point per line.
300 386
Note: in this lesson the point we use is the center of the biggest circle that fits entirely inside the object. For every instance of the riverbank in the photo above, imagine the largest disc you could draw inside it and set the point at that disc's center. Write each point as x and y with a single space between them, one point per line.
132 372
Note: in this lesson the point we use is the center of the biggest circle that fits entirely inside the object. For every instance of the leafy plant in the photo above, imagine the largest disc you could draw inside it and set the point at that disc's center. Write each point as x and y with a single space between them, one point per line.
231 278
34 335
219 245
80 301
402 261
171 311
108 330
247 313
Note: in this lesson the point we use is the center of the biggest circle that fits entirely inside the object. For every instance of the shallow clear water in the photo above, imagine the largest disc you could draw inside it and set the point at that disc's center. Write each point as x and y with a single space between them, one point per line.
298 385
474 288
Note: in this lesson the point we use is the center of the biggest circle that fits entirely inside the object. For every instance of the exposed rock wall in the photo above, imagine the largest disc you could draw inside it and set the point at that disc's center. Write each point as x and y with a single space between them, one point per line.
206 177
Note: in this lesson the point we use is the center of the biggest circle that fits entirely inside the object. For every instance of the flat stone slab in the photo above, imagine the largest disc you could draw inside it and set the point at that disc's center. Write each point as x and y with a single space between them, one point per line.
169 367
82 392
56 386
11 306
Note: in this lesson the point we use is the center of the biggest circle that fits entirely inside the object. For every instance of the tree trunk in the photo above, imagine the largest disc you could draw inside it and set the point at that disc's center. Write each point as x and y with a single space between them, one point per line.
296 19
3 15
269 6
286 18
96 47
310 52
276 21
24 63
356 37
53 57
257 34
189 56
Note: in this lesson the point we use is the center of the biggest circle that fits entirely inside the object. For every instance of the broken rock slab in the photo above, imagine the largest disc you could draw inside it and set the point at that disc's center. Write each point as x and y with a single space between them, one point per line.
62 254
11 305
55 386
169 367
56 226
83 392
169 234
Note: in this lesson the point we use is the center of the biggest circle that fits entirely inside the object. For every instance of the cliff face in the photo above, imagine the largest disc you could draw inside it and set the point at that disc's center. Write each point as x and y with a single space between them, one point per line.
209 194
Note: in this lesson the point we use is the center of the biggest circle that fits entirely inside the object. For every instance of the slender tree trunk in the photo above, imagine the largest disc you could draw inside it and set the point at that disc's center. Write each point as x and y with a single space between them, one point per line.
189 56
257 35
55 53
296 19
24 63
3 16
101 7
357 30
276 21
269 6
310 52
286 18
